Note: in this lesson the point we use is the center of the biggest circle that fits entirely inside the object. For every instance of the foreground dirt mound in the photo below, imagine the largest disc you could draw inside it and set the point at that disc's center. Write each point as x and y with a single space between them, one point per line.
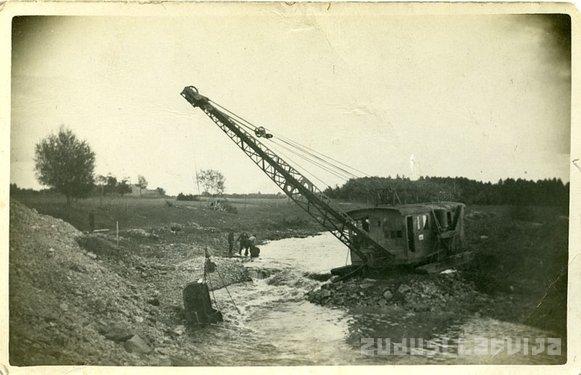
60 296
68 305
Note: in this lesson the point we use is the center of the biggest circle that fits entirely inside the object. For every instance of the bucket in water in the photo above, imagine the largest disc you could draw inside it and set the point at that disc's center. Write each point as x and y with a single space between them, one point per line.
254 252
198 306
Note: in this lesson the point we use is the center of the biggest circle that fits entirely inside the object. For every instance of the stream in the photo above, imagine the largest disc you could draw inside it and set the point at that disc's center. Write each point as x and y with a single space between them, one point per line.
276 325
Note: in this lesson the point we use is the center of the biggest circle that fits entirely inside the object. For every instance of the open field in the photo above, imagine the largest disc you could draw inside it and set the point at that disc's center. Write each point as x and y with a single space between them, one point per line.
520 266
269 218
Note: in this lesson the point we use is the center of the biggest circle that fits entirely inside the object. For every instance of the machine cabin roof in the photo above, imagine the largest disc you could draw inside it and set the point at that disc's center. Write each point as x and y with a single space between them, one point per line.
408 209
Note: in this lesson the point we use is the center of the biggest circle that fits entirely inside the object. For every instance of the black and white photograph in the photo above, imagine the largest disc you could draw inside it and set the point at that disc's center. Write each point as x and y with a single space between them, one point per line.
290 184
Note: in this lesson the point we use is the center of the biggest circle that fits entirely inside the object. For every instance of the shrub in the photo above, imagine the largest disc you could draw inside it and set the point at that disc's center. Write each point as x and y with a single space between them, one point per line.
229 208
293 221
187 197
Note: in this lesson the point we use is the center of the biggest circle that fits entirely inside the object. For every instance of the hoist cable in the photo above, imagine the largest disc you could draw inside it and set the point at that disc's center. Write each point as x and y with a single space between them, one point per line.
232 114
223 283
308 157
339 172
336 174
227 291
286 157
247 124
326 156
318 158
238 122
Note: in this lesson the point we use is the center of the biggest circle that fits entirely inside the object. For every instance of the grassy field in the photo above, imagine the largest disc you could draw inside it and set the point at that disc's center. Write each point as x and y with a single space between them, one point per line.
268 218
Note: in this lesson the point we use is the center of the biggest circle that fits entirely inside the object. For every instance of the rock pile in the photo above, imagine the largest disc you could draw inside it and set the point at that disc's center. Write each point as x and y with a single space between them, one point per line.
412 292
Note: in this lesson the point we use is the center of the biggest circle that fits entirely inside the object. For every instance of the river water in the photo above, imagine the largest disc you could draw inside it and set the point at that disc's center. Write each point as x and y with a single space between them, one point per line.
269 322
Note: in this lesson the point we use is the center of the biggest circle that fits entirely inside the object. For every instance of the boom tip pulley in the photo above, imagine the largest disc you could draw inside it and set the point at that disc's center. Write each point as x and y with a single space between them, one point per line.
261 132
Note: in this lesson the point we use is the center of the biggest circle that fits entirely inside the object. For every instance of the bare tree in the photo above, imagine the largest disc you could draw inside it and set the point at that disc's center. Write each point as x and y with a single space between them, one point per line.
101 183
141 183
212 181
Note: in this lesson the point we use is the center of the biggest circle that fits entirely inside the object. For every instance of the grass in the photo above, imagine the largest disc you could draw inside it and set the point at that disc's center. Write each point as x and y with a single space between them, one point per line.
268 218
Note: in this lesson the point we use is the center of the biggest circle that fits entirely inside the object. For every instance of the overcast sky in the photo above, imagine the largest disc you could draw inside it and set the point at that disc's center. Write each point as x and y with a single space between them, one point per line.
485 97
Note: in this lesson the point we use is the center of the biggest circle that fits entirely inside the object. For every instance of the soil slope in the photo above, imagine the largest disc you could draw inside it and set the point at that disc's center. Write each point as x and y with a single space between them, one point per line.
69 305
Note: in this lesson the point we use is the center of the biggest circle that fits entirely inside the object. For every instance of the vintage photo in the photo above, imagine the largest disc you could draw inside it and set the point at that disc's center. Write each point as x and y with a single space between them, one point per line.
289 184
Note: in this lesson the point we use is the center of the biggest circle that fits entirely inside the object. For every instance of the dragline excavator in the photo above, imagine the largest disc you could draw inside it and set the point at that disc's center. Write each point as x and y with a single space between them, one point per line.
400 226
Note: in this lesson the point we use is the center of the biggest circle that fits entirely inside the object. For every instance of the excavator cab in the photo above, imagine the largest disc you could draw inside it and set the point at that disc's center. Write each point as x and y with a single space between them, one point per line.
415 233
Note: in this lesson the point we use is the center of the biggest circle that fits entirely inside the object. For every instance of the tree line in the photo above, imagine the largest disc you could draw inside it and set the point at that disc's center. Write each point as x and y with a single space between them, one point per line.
109 185
66 164
520 192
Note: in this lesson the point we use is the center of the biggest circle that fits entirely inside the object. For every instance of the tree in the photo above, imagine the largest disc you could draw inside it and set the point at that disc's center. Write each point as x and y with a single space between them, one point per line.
14 189
212 181
123 187
111 186
65 164
161 191
100 183
141 183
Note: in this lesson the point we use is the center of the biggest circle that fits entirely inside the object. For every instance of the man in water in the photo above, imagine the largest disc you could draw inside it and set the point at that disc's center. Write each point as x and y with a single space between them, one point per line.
251 243
230 243
243 240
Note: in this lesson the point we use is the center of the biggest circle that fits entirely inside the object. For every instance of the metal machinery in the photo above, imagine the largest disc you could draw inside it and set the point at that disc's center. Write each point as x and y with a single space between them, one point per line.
366 249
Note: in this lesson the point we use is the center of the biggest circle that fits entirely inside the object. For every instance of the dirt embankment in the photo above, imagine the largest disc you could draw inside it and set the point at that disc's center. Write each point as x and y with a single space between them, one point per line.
521 261
99 305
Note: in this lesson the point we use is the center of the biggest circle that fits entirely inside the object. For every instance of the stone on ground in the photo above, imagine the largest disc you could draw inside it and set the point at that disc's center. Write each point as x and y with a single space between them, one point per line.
137 345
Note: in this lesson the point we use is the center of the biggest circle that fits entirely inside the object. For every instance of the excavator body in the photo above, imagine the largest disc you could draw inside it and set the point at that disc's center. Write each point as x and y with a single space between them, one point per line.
416 233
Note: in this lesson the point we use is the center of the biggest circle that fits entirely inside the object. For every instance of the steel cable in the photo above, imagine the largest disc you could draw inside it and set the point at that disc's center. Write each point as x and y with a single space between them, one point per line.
305 149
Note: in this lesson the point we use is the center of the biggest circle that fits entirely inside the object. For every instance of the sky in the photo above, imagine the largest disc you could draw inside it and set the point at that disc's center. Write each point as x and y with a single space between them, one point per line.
484 97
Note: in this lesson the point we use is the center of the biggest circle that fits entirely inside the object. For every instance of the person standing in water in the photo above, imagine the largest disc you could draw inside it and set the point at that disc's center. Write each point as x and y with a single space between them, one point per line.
243 240
251 243
230 243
